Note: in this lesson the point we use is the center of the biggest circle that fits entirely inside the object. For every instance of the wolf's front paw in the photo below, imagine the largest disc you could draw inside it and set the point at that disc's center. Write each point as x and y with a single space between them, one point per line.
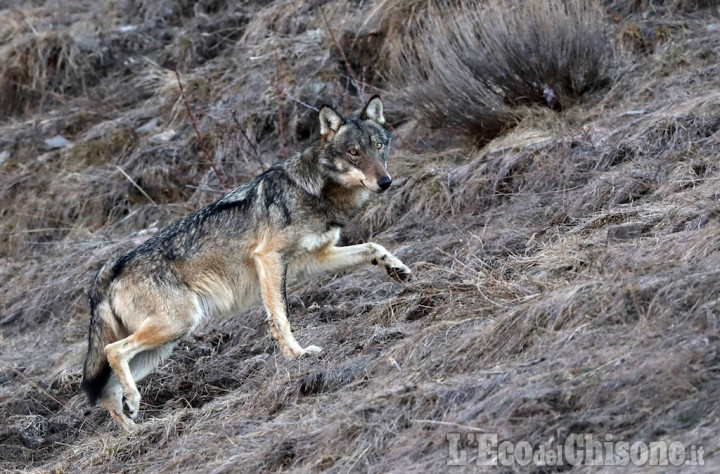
396 269
310 350
132 404
400 273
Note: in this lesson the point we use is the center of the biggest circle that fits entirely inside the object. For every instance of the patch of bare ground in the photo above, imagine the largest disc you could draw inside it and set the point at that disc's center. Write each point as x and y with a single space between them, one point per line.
568 271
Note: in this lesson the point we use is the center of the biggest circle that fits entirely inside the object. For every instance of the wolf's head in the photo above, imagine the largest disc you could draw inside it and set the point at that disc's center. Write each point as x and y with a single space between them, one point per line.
356 149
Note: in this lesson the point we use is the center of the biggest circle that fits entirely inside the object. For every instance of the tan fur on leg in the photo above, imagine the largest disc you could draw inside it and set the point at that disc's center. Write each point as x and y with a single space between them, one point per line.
331 259
111 400
272 273
150 335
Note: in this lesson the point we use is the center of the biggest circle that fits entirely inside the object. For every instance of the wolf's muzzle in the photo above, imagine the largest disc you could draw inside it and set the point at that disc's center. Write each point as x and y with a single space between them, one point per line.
384 182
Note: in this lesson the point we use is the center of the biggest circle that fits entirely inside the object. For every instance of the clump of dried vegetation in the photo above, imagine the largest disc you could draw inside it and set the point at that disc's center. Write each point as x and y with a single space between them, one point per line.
567 268
44 64
470 69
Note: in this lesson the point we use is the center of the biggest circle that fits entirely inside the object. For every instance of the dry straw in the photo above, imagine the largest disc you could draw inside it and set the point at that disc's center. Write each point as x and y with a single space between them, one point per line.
566 271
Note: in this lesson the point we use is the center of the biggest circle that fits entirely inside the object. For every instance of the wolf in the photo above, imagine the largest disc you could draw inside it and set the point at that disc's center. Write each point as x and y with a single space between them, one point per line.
283 226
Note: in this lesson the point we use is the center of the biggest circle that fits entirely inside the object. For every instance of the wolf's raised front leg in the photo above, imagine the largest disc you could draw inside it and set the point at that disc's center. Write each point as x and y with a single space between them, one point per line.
272 273
391 264
337 259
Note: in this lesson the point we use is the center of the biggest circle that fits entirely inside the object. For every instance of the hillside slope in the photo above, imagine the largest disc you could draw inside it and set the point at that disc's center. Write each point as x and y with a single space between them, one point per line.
567 271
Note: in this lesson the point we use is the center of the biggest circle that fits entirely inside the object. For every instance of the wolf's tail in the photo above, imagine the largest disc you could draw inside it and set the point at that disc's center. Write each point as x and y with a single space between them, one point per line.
102 332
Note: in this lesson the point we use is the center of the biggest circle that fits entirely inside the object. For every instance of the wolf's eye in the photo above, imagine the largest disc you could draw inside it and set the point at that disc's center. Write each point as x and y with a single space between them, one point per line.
378 145
352 151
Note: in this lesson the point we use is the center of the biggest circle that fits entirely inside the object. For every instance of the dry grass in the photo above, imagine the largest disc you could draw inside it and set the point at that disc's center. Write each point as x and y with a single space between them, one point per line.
467 68
567 270
658 7
45 67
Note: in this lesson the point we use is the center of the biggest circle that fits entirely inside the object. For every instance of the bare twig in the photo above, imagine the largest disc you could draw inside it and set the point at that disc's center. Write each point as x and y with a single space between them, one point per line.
136 185
448 423
197 132
209 190
394 362
277 91
258 155
342 53
230 133
38 231
296 100
365 84
362 84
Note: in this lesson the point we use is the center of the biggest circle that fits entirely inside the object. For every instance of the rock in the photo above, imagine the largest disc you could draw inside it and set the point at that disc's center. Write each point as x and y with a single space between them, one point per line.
56 142
150 126
627 231
163 137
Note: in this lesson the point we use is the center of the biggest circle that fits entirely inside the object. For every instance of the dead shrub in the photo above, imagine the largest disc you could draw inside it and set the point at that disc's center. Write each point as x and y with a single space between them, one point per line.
44 65
566 272
469 68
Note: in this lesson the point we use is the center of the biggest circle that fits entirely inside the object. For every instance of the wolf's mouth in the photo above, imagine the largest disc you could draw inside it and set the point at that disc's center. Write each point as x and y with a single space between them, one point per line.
375 189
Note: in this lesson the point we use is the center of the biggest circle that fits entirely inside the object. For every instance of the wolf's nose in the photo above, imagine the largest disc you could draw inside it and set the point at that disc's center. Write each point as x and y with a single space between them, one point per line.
384 182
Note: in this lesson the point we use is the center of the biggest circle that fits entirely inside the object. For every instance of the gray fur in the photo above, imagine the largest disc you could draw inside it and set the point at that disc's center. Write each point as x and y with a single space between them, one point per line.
281 226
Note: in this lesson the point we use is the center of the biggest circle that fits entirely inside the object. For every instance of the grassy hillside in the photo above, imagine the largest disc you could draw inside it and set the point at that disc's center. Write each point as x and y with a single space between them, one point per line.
555 193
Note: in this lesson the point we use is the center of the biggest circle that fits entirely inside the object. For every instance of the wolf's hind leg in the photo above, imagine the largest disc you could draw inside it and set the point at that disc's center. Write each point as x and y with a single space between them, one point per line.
145 362
111 400
153 334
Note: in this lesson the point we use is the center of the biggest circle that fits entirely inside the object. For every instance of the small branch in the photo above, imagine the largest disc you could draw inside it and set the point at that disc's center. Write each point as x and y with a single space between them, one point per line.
298 101
136 185
447 423
394 362
363 83
280 115
197 132
342 53
209 190
230 133
258 155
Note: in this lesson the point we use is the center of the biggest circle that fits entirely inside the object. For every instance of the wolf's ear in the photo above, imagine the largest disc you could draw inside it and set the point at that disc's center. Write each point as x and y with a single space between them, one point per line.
330 122
373 110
